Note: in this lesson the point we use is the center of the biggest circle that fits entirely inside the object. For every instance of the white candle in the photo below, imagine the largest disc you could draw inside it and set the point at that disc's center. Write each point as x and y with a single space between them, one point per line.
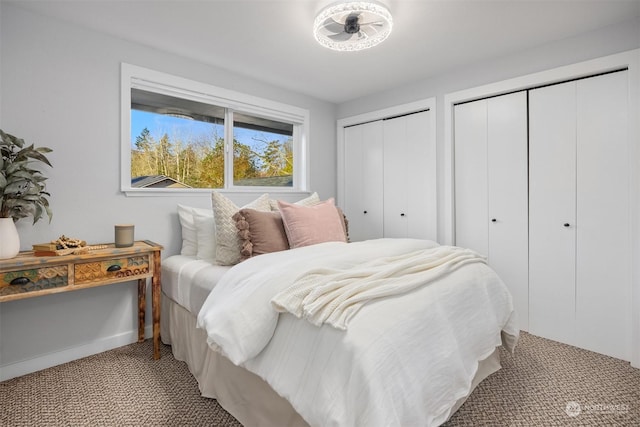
124 235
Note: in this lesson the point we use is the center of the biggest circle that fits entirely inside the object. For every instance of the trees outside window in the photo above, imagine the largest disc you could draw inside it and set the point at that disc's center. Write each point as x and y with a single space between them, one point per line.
192 139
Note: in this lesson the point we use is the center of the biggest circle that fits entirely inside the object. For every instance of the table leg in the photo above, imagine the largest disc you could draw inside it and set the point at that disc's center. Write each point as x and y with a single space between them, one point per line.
142 305
155 304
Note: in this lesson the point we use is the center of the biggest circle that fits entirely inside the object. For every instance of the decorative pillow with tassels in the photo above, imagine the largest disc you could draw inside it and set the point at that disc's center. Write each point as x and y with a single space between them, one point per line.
260 232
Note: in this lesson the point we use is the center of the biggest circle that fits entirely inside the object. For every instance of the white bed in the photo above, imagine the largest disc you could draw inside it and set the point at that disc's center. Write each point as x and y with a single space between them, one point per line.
407 359
187 280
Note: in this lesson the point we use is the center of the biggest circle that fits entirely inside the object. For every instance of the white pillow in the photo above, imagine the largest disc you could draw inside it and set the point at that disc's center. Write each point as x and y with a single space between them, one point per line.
313 199
206 234
228 243
188 228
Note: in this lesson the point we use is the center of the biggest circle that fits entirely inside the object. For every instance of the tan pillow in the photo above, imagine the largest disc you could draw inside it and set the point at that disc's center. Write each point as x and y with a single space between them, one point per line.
260 232
310 225
227 240
313 199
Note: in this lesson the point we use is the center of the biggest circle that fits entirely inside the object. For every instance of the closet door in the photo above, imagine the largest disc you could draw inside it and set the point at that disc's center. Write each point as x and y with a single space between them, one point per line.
507 178
363 199
603 263
580 268
406 178
491 188
552 213
471 188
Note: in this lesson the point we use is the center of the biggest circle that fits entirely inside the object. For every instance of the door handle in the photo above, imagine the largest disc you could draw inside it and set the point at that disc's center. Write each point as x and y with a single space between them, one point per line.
20 281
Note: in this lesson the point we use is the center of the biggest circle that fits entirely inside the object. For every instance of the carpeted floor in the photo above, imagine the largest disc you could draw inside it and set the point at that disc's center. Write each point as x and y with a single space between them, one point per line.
544 384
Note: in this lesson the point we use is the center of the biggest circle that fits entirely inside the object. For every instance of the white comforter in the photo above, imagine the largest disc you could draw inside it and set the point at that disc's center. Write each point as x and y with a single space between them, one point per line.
403 361
334 296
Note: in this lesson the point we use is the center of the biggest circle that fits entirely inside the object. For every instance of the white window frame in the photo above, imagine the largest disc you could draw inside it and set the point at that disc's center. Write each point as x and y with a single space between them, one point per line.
133 76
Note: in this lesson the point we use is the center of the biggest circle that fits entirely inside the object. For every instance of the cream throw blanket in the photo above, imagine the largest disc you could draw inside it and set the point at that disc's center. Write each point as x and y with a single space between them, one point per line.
334 296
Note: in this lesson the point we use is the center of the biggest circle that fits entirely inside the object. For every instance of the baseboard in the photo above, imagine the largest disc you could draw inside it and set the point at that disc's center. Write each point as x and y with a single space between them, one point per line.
48 360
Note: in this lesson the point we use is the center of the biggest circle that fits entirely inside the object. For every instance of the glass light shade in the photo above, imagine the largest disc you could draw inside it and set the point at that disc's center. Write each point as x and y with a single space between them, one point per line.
352 25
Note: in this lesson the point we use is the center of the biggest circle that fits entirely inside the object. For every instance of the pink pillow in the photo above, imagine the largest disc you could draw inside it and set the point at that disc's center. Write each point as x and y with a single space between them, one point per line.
309 225
260 232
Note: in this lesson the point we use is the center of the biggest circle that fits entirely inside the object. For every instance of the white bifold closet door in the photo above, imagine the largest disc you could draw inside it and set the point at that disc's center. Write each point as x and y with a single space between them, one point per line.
491 204
363 197
389 178
580 266
406 176
552 217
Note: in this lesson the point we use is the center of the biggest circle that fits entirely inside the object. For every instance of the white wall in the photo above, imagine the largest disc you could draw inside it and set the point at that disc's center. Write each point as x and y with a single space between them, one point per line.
606 41
554 57
60 88
1 61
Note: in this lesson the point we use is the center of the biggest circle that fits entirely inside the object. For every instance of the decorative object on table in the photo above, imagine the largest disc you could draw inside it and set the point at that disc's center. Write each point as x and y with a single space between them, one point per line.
22 189
124 235
9 238
64 246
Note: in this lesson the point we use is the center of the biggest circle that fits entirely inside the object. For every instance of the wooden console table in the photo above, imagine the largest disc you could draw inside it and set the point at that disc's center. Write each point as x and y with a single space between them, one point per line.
27 276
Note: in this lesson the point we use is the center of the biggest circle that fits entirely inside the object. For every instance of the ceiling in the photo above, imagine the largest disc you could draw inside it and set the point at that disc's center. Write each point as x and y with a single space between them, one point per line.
271 41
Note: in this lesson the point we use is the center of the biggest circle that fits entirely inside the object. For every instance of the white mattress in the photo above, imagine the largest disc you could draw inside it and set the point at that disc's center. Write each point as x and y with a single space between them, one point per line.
188 281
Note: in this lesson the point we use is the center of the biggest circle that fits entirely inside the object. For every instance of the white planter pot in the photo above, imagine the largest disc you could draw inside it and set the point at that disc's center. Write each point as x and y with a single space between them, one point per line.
9 239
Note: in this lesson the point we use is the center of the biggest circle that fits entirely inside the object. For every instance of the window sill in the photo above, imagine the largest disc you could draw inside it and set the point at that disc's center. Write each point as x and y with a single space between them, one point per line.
206 192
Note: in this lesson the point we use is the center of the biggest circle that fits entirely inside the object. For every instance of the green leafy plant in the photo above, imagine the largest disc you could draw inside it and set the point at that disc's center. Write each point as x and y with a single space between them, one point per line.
22 188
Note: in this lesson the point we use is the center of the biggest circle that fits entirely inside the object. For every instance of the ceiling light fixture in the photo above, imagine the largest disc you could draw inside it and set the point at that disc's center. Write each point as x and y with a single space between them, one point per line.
178 114
352 25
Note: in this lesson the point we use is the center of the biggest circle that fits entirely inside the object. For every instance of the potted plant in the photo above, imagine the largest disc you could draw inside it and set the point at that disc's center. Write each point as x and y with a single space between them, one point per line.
22 189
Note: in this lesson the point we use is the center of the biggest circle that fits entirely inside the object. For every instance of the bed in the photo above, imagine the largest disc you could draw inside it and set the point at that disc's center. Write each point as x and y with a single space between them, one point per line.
277 343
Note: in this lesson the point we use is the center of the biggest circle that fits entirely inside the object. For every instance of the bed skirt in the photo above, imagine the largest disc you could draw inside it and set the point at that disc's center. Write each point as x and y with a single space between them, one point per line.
243 394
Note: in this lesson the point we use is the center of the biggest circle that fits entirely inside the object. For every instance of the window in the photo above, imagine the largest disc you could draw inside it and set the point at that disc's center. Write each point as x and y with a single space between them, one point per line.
181 135
262 152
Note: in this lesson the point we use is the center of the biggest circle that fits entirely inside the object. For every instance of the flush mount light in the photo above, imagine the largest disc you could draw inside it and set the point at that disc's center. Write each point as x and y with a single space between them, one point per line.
174 112
352 25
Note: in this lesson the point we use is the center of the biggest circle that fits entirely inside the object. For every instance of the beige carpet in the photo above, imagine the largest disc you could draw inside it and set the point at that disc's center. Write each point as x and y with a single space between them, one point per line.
125 387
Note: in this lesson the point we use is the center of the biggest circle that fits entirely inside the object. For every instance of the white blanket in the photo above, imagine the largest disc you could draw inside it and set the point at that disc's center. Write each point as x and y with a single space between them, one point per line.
403 360
334 296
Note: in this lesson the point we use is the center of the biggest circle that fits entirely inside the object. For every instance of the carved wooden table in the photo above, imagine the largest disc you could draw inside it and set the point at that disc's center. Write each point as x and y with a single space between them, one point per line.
27 276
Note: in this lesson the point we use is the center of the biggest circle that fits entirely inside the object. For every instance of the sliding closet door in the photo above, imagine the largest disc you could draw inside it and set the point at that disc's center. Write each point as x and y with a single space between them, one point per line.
471 189
507 178
603 291
420 199
406 176
491 188
552 214
580 268
363 199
